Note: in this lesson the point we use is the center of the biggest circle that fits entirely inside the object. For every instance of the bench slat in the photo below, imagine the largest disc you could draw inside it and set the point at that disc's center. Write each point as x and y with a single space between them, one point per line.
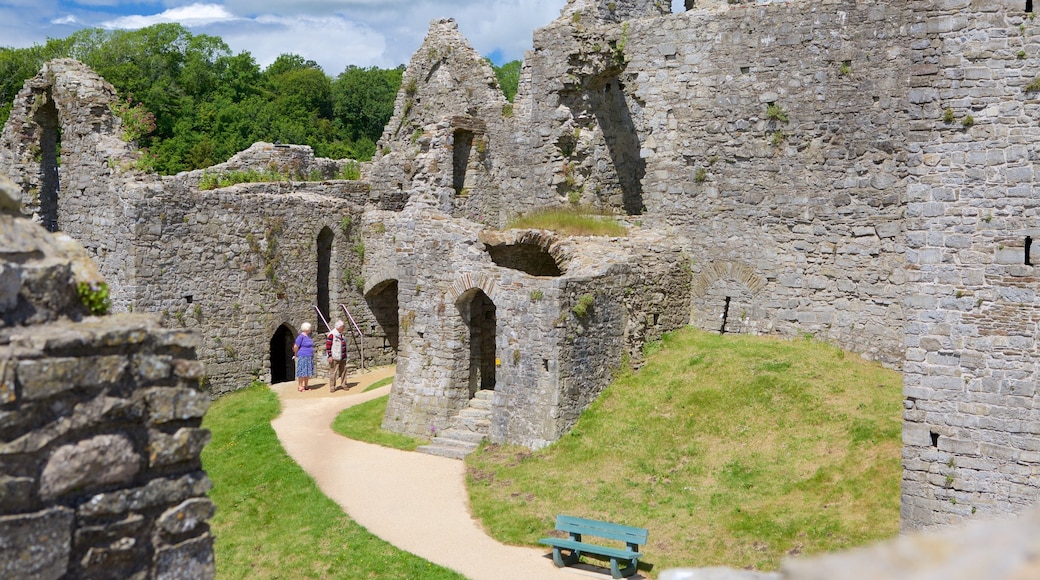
591 548
628 534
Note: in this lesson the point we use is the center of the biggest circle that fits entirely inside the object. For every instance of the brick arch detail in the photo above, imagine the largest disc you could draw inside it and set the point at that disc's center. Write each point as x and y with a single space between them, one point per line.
468 281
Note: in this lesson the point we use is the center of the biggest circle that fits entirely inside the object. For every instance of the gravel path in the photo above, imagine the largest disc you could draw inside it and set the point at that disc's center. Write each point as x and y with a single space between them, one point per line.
416 502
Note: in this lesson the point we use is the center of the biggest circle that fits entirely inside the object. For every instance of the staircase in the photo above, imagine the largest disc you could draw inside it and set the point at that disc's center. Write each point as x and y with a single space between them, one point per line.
467 430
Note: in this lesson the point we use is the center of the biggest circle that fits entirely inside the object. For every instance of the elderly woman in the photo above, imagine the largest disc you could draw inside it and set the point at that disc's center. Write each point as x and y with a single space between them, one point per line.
303 348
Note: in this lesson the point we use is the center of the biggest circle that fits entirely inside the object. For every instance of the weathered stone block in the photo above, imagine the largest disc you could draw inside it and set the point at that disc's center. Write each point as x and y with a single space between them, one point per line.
36 545
175 404
184 445
185 517
189 560
47 377
96 462
156 492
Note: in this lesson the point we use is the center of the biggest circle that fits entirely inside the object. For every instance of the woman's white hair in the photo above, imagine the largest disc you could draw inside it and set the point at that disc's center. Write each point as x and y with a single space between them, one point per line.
305 326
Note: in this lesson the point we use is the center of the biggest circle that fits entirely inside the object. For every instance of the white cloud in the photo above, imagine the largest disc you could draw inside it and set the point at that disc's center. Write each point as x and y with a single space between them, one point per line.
70 19
191 15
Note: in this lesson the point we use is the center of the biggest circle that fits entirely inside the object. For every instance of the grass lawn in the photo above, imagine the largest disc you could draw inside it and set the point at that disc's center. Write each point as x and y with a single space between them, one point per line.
362 422
732 450
271 520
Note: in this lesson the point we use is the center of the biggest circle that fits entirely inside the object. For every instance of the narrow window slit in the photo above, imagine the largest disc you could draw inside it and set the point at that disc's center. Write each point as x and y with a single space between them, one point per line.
1029 242
725 315
935 439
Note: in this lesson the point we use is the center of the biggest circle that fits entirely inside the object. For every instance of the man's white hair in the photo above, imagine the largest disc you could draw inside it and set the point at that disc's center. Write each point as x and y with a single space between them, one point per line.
305 326
339 324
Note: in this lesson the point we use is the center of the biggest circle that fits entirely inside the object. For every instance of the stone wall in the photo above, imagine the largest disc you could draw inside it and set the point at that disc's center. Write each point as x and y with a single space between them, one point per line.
99 426
971 428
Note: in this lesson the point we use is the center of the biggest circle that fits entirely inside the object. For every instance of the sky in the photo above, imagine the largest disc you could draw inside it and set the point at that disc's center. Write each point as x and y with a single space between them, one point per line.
333 33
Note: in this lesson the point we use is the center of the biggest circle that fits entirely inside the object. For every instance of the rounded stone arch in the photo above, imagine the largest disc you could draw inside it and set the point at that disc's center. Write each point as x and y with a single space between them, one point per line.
723 297
470 281
282 367
382 301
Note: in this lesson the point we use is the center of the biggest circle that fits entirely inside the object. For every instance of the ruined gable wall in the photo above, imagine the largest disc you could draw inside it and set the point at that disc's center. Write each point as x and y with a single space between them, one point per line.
971 428
67 106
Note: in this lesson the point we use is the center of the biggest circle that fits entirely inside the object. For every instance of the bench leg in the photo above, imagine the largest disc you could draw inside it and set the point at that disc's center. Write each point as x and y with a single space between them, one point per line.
560 560
618 572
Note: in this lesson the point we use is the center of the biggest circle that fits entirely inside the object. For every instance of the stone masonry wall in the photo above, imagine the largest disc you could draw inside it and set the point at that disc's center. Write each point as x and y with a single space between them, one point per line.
971 428
100 435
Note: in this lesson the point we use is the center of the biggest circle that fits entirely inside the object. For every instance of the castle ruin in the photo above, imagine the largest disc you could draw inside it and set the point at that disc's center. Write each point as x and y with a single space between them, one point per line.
856 171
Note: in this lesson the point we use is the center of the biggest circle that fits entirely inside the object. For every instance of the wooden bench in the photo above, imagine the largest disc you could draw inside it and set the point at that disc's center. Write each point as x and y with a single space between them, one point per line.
577 527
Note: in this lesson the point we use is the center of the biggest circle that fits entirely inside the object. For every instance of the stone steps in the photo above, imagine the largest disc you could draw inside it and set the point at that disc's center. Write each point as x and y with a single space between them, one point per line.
467 430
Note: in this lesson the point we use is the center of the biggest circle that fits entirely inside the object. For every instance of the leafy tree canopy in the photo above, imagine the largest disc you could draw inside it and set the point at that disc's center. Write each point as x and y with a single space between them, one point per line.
210 103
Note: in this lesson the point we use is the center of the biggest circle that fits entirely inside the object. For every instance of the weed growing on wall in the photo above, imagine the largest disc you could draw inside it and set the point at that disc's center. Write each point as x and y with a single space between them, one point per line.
137 120
94 297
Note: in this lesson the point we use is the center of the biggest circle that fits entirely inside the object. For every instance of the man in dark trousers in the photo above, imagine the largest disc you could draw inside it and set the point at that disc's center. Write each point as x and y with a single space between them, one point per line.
336 348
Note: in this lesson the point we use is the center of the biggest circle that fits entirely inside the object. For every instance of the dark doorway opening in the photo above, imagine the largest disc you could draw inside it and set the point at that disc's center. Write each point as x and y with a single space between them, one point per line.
282 367
532 259
46 118
324 270
382 301
478 313
460 158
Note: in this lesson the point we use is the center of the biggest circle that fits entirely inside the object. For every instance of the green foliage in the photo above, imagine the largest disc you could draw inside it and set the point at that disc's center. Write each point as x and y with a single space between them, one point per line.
508 76
507 110
94 297
845 69
217 180
581 308
137 121
776 113
700 175
362 422
1033 86
380 383
536 295
571 221
209 103
272 521
737 449
948 115
351 171
967 121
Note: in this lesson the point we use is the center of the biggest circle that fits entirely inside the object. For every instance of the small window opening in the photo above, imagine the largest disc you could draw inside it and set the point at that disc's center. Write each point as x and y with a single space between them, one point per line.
745 70
1029 243
935 439
725 315
656 317
545 363
188 298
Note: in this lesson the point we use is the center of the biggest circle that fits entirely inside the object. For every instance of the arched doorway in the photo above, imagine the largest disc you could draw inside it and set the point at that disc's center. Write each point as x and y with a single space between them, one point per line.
382 301
324 270
282 367
46 116
478 313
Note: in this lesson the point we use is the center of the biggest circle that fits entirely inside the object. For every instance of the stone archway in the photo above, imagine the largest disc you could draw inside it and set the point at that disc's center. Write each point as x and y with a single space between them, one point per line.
723 297
383 303
282 367
325 238
478 314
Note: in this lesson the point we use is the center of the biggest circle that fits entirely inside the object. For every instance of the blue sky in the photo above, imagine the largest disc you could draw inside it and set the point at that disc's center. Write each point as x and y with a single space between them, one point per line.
334 33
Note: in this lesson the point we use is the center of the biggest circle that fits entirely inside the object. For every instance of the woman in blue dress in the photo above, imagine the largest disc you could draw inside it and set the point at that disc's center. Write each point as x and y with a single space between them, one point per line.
303 349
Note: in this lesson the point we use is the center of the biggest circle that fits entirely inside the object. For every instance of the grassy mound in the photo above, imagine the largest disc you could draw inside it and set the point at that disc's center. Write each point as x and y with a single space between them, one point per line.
570 221
731 450
271 520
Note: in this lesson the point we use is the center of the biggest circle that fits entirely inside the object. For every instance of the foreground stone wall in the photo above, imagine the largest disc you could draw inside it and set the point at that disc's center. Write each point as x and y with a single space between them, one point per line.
99 429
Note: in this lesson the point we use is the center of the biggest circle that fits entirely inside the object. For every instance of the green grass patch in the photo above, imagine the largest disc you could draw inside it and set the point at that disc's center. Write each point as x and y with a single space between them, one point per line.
362 422
732 450
571 221
380 383
271 520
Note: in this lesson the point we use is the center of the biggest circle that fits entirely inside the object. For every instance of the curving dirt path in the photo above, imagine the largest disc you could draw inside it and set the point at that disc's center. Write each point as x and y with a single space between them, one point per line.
416 502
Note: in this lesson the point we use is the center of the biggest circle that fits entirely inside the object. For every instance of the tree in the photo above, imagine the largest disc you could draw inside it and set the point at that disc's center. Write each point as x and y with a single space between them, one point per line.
508 76
363 100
